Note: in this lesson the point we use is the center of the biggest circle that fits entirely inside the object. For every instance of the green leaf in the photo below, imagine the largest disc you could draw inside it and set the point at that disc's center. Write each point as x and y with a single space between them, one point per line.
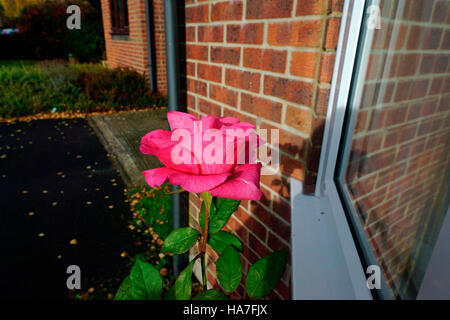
211 295
221 240
170 295
124 291
222 213
145 281
229 269
265 274
183 285
180 240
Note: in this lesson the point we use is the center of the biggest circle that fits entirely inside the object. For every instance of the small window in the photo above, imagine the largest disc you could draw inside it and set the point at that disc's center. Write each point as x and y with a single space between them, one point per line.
119 17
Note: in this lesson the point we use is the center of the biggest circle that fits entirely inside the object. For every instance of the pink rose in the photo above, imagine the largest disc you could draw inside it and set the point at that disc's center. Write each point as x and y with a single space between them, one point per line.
229 172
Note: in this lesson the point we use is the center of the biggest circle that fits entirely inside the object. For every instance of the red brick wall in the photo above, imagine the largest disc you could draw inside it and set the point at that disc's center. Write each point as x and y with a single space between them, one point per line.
131 51
268 63
400 150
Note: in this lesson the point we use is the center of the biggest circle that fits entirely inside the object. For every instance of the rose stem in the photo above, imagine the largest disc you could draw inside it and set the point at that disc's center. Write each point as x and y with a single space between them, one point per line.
203 248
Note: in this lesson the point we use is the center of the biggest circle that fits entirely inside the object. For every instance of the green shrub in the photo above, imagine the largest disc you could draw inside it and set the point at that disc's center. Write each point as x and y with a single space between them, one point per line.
28 89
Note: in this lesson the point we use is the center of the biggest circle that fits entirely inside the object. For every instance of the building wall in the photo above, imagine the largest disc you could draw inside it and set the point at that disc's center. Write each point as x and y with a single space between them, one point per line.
131 51
400 150
269 63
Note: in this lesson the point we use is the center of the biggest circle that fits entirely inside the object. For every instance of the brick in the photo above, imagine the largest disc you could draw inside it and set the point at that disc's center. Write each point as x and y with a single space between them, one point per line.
265 59
432 38
442 62
298 118
446 41
313 158
418 10
304 64
209 108
291 90
190 69
419 89
310 7
317 128
402 91
295 33
278 184
196 86
257 9
291 143
441 12
250 33
210 33
292 168
335 6
282 207
326 67
197 52
415 37
323 96
228 10
239 230
258 246
209 72
252 224
197 14
427 64
332 33
275 224
261 107
436 86
408 64
191 101
395 116
190 34
226 55
223 95
243 80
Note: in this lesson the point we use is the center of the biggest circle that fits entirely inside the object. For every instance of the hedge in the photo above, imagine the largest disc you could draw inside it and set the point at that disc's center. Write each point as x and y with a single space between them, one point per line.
28 89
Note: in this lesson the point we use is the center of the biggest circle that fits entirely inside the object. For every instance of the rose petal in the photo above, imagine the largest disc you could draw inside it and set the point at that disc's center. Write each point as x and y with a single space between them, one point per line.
209 122
228 120
243 184
197 183
156 177
156 140
181 120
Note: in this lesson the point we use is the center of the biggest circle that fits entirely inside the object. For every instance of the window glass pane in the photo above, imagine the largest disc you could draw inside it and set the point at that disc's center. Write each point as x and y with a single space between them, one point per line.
397 169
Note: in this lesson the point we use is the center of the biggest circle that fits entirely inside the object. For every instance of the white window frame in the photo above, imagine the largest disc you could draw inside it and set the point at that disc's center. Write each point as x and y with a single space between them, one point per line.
329 250
325 260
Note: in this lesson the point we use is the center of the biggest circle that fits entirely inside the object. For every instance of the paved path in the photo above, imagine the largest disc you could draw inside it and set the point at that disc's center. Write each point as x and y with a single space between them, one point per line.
121 135
60 204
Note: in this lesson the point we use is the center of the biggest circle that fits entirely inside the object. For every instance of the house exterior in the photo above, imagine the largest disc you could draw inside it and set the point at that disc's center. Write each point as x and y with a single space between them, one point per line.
125 23
272 63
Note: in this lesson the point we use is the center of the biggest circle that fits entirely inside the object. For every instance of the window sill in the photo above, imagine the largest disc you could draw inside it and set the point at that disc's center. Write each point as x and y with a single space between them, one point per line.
120 37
